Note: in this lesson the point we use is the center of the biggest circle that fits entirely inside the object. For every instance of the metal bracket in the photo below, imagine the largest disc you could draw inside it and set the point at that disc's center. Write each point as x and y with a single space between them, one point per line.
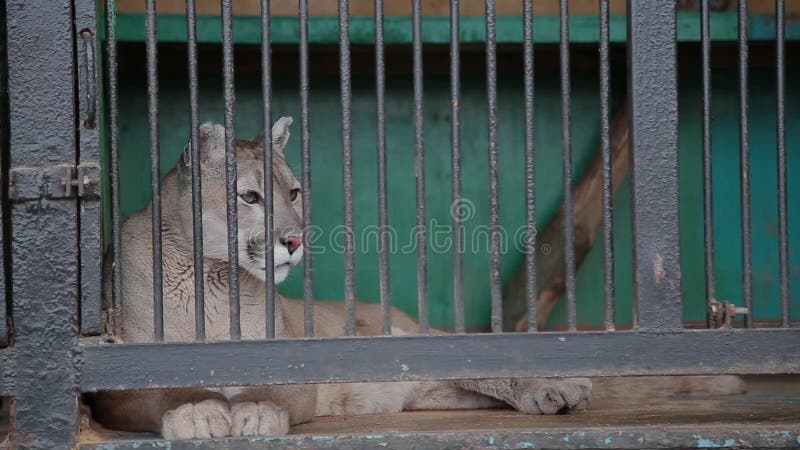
55 182
723 313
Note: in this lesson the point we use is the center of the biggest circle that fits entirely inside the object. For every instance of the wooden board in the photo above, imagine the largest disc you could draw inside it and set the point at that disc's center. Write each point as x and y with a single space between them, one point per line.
403 8
367 7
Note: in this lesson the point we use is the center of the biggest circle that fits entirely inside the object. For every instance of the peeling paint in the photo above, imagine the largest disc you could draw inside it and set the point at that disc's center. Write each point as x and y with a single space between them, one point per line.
491 440
705 443
607 441
528 445
321 438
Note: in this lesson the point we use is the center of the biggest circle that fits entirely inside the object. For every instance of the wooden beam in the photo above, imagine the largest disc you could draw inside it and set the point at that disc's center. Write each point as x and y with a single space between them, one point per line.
588 219
367 7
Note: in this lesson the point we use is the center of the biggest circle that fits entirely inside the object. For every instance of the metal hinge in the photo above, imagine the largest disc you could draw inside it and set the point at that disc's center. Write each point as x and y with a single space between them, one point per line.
55 182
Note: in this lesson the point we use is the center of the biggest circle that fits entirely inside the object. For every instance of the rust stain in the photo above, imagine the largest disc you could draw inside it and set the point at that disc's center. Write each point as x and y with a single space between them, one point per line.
658 268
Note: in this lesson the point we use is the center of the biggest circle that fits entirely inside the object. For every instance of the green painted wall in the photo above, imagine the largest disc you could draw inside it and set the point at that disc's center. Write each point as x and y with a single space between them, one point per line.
327 182
727 207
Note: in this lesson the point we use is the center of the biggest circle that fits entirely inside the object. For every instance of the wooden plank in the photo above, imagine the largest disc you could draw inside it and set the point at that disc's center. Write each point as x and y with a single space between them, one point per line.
768 7
367 7
394 8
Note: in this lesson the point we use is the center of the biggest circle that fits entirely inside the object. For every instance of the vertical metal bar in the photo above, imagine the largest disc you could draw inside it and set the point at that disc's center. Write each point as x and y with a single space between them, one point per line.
531 284
44 259
708 194
566 142
496 290
305 144
419 171
383 221
455 138
155 169
90 206
783 237
197 200
652 79
5 243
113 144
605 142
347 166
269 237
744 155
230 168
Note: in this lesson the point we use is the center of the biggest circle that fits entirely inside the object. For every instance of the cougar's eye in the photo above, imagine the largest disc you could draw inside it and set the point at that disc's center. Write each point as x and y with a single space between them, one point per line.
250 197
293 194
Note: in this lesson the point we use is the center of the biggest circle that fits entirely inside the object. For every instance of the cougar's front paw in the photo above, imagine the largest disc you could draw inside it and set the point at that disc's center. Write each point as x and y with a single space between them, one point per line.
554 396
258 419
201 420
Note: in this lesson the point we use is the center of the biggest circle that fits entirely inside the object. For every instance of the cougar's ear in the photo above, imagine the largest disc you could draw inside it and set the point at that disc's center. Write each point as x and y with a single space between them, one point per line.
280 134
211 144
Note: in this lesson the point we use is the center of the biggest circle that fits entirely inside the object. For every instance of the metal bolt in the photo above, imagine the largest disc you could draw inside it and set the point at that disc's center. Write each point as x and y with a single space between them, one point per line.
740 310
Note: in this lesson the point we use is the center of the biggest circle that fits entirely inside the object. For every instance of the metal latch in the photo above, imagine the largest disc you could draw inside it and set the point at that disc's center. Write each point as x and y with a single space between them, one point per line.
723 313
55 182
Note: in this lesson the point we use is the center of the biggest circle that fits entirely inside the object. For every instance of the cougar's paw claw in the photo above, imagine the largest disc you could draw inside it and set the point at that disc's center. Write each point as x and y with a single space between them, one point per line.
259 419
201 420
555 396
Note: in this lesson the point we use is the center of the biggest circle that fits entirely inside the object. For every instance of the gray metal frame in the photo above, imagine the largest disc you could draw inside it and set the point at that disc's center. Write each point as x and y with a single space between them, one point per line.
131 366
55 219
44 223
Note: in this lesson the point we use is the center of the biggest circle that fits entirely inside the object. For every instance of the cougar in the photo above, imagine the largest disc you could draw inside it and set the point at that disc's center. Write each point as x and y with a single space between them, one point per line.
268 410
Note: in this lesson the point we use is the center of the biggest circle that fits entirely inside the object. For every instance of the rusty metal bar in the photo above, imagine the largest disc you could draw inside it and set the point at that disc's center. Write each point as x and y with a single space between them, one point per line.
383 215
269 231
744 156
531 285
566 143
455 161
783 221
419 170
230 169
155 170
708 194
305 155
605 142
347 167
495 285
197 191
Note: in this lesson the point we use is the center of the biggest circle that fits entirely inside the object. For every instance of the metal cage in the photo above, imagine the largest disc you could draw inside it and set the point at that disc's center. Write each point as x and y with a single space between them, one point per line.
53 222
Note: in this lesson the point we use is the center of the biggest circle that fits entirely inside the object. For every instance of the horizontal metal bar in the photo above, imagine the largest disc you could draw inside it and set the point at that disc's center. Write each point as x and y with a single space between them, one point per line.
769 436
739 351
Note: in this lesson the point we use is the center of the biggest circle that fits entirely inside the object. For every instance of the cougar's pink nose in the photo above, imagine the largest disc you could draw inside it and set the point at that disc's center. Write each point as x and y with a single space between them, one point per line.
292 243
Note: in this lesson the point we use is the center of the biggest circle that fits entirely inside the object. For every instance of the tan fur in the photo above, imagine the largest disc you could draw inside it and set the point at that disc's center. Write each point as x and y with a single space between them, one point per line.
205 413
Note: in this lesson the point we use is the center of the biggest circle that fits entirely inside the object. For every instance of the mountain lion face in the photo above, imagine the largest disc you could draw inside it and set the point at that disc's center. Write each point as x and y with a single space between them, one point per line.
287 200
